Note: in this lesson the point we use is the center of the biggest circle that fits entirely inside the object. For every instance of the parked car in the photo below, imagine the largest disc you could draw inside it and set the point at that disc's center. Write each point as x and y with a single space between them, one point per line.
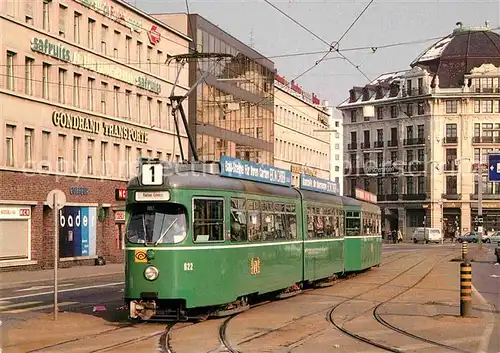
427 235
495 237
472 237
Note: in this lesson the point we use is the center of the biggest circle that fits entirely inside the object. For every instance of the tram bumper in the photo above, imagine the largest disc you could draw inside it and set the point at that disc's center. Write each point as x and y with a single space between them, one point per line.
141 309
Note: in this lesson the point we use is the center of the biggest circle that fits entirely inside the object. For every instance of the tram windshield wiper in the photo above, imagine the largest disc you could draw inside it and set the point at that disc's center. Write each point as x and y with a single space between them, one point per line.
165 232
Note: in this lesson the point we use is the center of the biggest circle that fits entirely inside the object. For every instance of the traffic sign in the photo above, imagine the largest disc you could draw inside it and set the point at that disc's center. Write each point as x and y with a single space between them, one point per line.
56 199
494 167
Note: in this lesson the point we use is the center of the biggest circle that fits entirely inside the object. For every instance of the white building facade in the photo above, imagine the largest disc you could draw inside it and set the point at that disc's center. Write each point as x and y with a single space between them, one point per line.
301 130
417 138
336 146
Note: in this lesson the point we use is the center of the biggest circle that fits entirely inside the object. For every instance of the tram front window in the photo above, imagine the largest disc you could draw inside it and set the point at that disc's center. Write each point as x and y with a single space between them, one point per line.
157 225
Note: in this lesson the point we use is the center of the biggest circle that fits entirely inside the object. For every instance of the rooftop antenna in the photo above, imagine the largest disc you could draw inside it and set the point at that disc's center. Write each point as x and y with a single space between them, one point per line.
181 60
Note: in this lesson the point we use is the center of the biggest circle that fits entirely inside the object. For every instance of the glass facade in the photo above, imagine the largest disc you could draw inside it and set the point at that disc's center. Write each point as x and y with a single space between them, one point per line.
235 109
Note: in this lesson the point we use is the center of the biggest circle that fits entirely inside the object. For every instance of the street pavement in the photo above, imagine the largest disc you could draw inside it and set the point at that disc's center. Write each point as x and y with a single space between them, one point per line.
24 301
486 280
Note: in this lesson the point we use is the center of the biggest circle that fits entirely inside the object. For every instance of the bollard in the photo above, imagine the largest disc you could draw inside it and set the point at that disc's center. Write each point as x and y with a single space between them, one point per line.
465 289
464 250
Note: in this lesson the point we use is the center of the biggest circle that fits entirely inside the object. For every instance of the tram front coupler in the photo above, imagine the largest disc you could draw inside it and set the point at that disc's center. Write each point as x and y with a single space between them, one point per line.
143 310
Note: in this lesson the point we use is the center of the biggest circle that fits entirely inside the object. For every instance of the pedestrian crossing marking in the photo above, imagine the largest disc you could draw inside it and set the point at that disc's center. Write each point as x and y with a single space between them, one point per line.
40 307
17 305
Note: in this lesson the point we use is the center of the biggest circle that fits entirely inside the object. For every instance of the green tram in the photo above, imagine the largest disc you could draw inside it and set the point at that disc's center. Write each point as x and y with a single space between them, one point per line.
199 240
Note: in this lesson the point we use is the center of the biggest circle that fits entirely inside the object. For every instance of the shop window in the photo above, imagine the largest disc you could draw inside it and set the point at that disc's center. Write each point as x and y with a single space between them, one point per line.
15 228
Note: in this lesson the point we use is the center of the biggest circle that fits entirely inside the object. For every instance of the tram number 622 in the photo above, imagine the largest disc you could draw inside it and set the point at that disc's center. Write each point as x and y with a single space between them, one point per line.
188 266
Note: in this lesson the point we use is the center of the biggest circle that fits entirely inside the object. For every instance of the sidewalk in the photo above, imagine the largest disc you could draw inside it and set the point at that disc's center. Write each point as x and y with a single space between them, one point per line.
12 279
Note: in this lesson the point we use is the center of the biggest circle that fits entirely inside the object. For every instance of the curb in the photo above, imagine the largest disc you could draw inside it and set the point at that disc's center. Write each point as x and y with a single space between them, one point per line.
15 284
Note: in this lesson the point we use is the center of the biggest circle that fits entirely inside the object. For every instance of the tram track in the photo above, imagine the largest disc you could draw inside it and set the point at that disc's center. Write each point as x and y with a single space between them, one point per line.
261 335
379 319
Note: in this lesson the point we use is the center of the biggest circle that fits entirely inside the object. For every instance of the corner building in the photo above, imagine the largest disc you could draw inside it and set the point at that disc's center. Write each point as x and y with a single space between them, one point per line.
233 113
302 138
83 96
417 138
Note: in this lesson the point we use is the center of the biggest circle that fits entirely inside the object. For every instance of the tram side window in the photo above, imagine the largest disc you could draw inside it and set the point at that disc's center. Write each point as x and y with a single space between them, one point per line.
329 222
254 220
238 220
319 222
352 224
291 221
340 222
268 221
310 222
208 220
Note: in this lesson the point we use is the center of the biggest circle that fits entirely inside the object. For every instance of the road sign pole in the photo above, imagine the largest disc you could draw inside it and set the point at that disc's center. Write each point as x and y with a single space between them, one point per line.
56 255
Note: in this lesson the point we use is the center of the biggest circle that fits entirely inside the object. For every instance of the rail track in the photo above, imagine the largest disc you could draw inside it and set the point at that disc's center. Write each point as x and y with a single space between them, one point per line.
232 349
379 319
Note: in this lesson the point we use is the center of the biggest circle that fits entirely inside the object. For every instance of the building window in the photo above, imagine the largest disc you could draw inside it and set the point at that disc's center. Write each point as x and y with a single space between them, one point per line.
367 184
139 108
10 70
76 89
128 160
45 80
380 113
394 111
62 20
150 112
409 109
128 113
380 186
45 148
28 88
421 155
104 92
421 185
394 186
28 148
451 106
477 129
409 132
116 43
420 108
380 135
104 35
61 152
477 106
76 27
9 145
451 185
451 130
90 93
487 106
116 100
354 115
160 109
148 58
62 86
90 157
409 185
104 146
138 53
394 156
90 34
46 12
128 44
420 131
76 154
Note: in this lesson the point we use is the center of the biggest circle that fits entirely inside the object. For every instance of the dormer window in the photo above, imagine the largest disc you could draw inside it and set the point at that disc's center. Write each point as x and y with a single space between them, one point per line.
352 96
366 94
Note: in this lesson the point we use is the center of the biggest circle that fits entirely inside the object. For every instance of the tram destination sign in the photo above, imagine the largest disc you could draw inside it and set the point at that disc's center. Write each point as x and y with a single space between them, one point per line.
241 169
310 183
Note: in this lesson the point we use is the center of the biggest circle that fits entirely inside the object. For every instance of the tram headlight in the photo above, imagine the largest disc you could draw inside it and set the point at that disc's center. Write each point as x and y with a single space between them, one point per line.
151 273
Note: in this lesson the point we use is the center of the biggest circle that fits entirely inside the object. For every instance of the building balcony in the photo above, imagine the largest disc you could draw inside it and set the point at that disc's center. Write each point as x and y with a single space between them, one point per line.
476 89
352 146
378 144
414 197
392 143
411 168
486 196
388 197
450 166
365 145
414 141
451 195
415 92
450 140
485 139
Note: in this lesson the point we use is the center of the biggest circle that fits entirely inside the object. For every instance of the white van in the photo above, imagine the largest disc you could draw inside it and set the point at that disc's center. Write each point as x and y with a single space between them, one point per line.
426 235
